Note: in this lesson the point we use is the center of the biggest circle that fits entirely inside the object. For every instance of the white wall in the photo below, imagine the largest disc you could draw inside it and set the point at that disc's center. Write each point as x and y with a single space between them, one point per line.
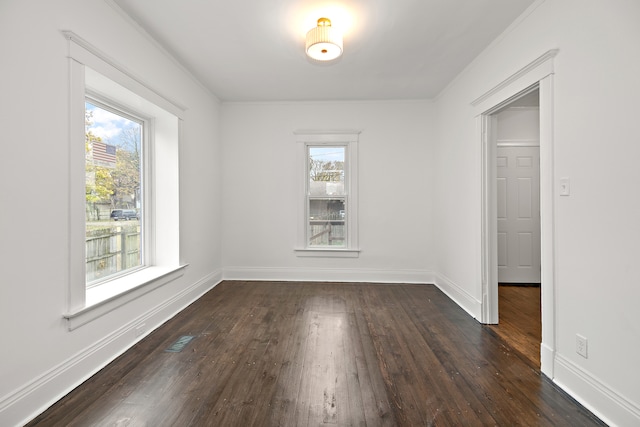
260 199
419 193
41 360
596 144
518 124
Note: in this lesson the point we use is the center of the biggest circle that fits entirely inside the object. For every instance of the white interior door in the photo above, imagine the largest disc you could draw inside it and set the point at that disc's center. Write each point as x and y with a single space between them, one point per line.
518 212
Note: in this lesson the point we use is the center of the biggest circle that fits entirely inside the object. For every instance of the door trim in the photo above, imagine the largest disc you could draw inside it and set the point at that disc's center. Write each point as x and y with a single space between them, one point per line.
536 75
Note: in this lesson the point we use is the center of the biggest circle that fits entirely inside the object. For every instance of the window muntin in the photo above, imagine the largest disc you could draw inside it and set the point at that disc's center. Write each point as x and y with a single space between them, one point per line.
114 200
326 196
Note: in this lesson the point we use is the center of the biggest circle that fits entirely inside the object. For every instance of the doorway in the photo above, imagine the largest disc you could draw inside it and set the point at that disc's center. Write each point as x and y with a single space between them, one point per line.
517 140
517 146
537 75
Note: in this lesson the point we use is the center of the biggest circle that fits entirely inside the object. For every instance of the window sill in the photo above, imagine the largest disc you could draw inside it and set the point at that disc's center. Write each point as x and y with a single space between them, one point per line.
105 298
328 253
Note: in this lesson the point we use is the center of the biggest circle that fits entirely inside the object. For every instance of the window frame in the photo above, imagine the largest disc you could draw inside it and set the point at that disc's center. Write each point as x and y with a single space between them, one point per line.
91 72
319 138
326 197
146 143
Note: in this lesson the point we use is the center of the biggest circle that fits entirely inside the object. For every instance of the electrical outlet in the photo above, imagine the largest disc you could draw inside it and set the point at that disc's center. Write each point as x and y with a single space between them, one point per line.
581 345
140 330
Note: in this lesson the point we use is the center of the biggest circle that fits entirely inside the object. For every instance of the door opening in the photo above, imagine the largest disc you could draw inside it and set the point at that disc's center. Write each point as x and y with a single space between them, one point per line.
517 140
537 75
516 137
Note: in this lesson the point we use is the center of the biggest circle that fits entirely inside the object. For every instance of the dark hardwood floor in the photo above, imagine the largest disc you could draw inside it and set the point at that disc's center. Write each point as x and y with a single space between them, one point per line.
301 354
520 320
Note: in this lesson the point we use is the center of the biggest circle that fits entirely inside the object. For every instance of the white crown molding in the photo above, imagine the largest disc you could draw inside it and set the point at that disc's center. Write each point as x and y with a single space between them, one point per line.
428 101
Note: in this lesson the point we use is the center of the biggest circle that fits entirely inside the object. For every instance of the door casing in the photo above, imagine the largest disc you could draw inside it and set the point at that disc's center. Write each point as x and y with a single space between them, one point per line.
539 75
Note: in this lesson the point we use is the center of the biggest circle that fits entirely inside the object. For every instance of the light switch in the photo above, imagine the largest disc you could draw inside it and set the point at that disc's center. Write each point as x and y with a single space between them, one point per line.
565 186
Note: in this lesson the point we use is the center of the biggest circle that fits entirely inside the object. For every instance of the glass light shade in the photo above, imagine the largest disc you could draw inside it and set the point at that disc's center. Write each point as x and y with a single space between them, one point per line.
324 43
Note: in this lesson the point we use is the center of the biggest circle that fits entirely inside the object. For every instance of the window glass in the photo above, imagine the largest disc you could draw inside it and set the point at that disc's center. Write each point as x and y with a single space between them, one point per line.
114 196
326 171
326 222
326 196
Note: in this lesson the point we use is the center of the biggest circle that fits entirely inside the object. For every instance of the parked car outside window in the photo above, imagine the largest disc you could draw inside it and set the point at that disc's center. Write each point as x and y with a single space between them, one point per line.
124 214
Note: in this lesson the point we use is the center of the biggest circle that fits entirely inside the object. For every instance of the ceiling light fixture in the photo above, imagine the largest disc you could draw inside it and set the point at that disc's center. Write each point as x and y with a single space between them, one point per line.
324 42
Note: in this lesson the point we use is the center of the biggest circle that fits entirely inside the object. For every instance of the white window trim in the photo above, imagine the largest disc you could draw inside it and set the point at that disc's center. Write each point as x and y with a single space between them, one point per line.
349 139
114 82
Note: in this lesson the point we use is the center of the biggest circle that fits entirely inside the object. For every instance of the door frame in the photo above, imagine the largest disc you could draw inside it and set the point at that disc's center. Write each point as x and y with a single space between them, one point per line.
539 75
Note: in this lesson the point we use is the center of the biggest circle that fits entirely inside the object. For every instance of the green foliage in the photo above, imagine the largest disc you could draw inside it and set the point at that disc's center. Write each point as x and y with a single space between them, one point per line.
101 187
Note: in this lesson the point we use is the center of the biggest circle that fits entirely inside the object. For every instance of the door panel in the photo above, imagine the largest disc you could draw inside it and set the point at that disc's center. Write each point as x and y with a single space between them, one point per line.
502 198
518 208
502 250
525 250
524 196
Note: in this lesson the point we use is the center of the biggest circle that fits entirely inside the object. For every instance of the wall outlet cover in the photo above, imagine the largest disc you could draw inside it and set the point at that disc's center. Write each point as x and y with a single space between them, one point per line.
581 345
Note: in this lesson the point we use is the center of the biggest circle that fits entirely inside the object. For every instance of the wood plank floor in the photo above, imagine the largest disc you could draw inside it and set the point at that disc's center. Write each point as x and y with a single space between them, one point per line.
309 354
520 322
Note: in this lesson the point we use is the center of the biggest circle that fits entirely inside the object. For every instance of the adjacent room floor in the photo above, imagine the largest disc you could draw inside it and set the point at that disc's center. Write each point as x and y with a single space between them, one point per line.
301 354
520 320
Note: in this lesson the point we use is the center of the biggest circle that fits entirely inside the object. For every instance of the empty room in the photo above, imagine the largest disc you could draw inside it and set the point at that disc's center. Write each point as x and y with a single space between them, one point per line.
381 213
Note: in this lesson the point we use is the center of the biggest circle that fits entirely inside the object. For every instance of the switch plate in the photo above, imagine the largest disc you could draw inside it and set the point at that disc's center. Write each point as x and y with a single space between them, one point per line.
565 186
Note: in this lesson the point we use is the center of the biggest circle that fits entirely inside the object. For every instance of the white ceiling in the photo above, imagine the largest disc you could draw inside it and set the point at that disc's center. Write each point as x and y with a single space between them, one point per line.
253 50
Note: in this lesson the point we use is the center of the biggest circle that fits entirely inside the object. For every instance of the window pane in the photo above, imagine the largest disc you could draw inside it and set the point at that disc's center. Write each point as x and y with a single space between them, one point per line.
113 193
326 171
327 222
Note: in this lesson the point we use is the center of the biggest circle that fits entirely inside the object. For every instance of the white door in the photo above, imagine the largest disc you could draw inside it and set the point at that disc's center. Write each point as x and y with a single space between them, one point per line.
518 214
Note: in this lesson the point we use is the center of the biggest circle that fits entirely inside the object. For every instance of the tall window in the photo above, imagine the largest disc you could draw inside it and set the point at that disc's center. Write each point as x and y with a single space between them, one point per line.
124 234
326 196
328 210
114 197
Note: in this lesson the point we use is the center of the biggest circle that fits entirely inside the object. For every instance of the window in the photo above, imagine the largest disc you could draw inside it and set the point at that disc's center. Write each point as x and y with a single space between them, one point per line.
326 196
328 212
124 190
114 163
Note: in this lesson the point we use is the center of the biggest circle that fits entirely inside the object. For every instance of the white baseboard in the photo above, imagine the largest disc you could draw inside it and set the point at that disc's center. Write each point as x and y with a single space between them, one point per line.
460 296
328 275
547 355
21 405
594 395
25 403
